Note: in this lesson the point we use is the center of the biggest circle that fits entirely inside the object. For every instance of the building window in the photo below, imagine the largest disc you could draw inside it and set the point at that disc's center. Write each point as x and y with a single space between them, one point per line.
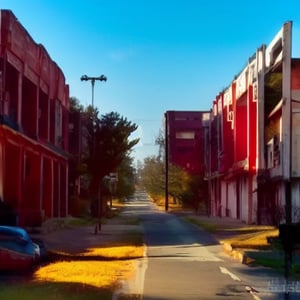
186 135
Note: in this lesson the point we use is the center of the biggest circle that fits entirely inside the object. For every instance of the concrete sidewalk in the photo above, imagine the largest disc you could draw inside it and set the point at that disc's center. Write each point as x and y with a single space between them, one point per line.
59 236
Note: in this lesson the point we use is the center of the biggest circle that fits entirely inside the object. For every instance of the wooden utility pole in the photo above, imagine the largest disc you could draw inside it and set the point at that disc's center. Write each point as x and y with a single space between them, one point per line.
166 164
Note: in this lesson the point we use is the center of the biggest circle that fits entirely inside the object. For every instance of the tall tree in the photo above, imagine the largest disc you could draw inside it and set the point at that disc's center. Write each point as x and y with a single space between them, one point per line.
76 168
182 186
75 105
126 179
109 143
152 176
112 142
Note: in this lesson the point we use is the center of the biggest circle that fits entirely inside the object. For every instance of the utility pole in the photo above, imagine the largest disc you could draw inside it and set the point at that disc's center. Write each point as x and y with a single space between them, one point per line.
166 164
99 201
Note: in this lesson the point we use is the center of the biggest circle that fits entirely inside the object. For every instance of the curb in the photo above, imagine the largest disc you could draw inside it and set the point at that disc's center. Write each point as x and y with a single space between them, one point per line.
236 254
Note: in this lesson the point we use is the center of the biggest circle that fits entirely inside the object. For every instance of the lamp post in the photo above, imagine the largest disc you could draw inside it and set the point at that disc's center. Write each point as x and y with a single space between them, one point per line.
93 79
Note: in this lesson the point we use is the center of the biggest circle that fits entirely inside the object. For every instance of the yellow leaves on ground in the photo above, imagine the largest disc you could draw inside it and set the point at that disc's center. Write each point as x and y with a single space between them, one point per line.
118 252
94 273
255 239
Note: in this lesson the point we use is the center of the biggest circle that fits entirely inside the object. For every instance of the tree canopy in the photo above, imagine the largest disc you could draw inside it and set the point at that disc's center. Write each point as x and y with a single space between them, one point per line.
109 143
106 148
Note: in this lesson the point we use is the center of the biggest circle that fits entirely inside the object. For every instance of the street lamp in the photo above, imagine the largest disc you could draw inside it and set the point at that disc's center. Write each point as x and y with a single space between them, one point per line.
93 79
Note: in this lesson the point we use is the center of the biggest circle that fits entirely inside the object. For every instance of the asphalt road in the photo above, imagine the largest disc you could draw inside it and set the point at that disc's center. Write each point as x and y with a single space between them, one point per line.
185 262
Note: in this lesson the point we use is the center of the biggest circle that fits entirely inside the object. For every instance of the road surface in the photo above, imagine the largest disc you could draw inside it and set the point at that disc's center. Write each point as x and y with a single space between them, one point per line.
184 262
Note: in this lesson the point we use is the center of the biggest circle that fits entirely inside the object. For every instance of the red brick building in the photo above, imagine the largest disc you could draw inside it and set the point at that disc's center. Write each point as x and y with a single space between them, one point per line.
254 167
34 113
186 139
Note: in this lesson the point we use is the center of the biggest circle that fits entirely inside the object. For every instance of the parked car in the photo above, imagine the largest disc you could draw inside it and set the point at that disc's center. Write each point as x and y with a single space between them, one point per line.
17 250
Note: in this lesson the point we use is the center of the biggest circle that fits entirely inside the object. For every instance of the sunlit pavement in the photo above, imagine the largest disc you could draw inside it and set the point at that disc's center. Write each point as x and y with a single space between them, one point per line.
272 288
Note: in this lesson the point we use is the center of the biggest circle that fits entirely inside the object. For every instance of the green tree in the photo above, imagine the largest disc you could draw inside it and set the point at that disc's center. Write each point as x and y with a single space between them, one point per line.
187 189
75 105
179 183
112 143
76 167
160 141
152 176
108 144
126 179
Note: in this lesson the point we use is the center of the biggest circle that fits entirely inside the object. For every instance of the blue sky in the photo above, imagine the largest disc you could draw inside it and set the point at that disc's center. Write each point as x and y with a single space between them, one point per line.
157 55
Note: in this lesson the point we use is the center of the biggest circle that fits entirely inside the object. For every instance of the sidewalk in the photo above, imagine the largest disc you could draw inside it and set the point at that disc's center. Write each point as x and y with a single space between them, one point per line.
58 236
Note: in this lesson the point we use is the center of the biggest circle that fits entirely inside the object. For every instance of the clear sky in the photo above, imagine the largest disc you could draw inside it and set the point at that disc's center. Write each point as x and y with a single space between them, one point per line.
157 55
